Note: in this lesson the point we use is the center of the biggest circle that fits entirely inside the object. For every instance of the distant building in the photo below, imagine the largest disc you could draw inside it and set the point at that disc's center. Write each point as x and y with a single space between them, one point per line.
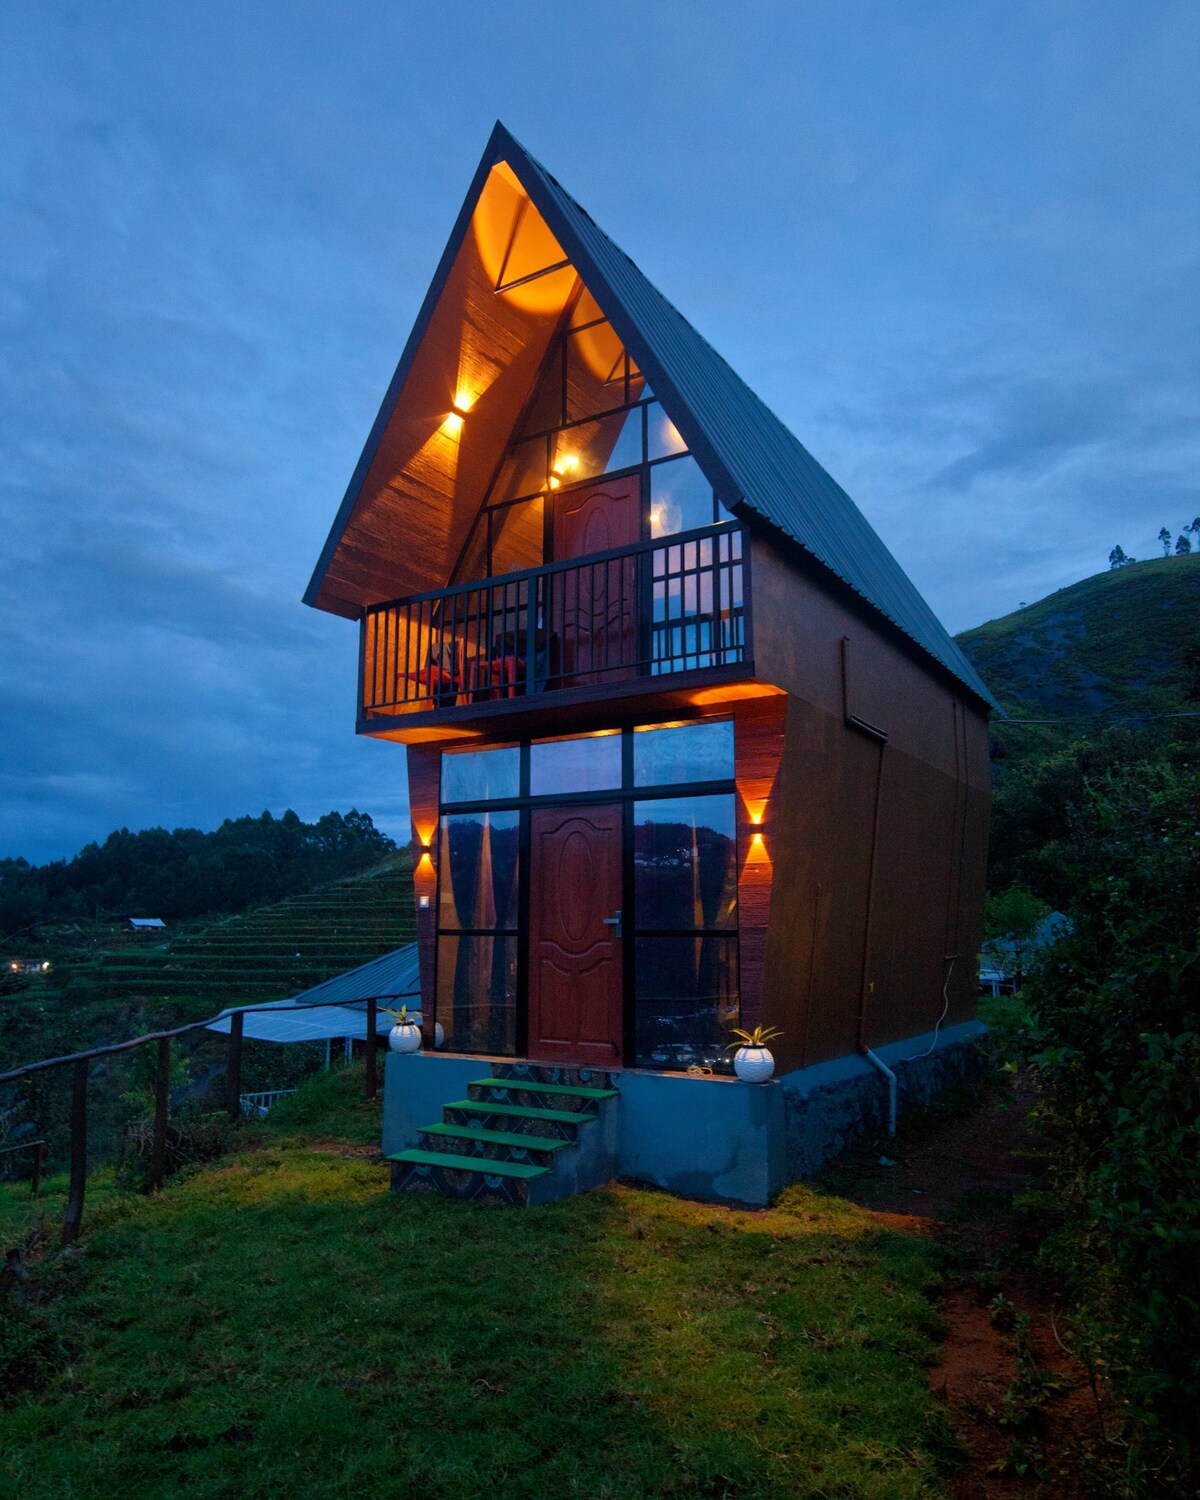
146 924
28 965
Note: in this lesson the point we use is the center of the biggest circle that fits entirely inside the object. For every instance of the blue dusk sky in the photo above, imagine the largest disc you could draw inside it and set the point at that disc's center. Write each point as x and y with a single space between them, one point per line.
953 245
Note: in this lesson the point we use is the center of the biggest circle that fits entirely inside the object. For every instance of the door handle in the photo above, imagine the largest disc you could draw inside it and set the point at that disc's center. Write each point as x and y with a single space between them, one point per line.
614 922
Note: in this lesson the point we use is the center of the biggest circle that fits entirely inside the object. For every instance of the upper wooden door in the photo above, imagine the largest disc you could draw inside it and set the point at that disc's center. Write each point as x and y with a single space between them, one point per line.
575 986
594 608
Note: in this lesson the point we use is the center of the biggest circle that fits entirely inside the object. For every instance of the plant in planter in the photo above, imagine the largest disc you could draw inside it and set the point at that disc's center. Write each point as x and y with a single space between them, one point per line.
752 1061
405 1035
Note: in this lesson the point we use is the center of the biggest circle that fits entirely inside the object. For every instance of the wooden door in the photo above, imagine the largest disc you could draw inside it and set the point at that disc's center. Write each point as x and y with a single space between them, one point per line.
594 607
575 988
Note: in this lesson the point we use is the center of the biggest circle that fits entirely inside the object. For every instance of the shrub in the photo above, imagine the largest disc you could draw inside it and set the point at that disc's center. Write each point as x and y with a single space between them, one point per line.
1117 1060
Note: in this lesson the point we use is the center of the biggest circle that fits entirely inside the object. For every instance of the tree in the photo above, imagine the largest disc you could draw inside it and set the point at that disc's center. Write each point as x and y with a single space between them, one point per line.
1164 537
1117 558
1183 546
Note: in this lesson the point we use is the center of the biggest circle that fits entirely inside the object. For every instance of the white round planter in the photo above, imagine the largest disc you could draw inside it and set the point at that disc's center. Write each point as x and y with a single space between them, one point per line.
753 1064
406 1038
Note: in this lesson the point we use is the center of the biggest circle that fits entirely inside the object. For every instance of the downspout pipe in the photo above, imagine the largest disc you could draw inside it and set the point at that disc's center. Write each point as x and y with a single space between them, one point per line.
878 1062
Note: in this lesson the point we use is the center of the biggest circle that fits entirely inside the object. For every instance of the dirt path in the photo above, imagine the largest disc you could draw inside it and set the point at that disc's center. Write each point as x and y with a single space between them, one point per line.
1022 1405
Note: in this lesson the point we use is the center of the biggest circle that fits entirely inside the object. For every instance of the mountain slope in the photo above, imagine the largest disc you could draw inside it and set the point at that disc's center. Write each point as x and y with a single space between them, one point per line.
1125 642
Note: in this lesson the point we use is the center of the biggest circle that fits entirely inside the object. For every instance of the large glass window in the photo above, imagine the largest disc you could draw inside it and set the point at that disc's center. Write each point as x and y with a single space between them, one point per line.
681 499
481 775
477 992
683 752
685 862
588 763
687 1000
479 858
680 886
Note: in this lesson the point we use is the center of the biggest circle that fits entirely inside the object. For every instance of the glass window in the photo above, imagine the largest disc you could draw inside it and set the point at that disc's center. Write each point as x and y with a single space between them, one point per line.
685 862
601 447
687 1000
481 775
587 310
522 473
663 439
589 763
680 497
476 1003
517 536
473 563
595 371
683 752
480 854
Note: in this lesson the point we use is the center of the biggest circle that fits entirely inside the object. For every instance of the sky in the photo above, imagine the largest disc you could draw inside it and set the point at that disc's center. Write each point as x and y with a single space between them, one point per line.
953 246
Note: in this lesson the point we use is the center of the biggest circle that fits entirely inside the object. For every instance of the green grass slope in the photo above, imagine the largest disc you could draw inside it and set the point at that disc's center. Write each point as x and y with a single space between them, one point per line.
280 1324
1124 642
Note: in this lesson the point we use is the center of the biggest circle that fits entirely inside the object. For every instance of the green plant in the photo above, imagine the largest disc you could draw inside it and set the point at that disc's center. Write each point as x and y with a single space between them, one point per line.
403 1016
1116 1061
759 1037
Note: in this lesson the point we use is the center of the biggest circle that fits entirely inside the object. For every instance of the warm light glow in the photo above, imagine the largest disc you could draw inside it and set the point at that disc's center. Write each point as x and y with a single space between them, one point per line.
555 481
755 838
566 464
453 424
425 833
464 400
424 865
756 810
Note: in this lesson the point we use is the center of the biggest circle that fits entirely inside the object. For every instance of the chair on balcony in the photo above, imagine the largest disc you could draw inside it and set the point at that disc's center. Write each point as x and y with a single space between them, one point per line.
439 679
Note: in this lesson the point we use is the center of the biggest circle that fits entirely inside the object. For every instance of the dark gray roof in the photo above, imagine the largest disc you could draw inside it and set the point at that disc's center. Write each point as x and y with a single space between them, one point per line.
394 977
762 469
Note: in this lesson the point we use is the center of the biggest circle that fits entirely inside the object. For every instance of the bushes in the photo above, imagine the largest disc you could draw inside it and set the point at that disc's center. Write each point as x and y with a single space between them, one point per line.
1116 1040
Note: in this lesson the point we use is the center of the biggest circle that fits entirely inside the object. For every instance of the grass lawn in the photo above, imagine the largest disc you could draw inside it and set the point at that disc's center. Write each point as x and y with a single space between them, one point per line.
279 1323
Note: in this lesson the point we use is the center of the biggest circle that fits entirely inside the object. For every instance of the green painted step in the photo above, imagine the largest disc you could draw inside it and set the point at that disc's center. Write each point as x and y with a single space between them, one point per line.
497 1137
521 1111
483 1164
528 1086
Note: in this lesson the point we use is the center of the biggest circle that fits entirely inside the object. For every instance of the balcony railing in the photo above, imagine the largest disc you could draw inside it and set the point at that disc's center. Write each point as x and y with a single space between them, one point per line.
676 604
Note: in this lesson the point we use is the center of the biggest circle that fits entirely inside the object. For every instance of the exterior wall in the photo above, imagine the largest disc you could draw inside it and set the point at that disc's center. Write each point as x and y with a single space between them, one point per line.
879 845
424 768
759 742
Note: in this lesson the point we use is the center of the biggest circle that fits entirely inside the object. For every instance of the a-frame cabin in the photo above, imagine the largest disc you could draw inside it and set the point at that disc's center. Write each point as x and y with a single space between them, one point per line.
686 748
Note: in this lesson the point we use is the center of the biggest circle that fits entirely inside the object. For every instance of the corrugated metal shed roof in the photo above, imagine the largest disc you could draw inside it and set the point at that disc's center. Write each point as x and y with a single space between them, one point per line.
763 469
395 976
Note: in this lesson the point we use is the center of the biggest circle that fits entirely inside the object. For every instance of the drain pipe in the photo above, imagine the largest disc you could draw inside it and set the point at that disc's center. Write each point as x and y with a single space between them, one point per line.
878 1062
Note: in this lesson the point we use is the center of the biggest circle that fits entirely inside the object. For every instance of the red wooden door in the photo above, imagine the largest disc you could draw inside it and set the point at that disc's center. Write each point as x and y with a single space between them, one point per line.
575 1013
594 607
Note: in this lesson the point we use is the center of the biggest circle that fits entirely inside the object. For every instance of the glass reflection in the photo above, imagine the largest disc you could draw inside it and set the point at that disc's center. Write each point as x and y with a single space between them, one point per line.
590 763
663 438
687 1000
685 862
683 752
681 499
480 854
476 1002
481 775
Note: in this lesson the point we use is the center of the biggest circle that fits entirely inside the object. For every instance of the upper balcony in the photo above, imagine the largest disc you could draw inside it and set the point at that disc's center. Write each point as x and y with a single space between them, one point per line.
650 619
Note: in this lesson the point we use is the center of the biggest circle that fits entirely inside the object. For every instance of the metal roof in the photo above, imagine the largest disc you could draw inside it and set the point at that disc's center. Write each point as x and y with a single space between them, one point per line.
761 468
395 976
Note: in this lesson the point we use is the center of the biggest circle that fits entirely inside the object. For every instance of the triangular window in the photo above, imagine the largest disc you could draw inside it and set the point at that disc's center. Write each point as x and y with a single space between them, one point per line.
592 413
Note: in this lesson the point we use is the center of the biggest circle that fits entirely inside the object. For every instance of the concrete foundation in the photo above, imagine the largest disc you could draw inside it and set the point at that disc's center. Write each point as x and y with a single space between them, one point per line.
717 1139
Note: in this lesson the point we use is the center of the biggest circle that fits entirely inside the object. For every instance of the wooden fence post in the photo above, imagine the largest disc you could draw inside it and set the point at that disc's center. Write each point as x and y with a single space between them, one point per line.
372 1073
74 1215
233 1070
162 1101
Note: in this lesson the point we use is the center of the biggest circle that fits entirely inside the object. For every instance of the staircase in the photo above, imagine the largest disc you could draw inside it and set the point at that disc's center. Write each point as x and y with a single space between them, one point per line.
524 1136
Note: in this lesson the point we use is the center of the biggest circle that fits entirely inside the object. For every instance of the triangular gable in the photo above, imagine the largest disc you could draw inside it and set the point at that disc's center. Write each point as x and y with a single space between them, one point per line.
761 469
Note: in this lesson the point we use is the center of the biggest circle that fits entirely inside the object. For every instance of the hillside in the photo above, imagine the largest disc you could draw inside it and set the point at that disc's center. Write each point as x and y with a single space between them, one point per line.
1125 642
89 998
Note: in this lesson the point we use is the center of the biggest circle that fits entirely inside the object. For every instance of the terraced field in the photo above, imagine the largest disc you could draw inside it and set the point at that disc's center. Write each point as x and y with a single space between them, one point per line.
268 953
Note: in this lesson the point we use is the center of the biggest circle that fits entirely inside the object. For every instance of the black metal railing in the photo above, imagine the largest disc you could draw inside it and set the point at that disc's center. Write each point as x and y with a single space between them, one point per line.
80 1065
675 604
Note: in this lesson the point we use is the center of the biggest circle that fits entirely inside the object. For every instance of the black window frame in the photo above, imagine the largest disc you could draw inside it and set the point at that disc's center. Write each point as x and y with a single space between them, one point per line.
626 795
